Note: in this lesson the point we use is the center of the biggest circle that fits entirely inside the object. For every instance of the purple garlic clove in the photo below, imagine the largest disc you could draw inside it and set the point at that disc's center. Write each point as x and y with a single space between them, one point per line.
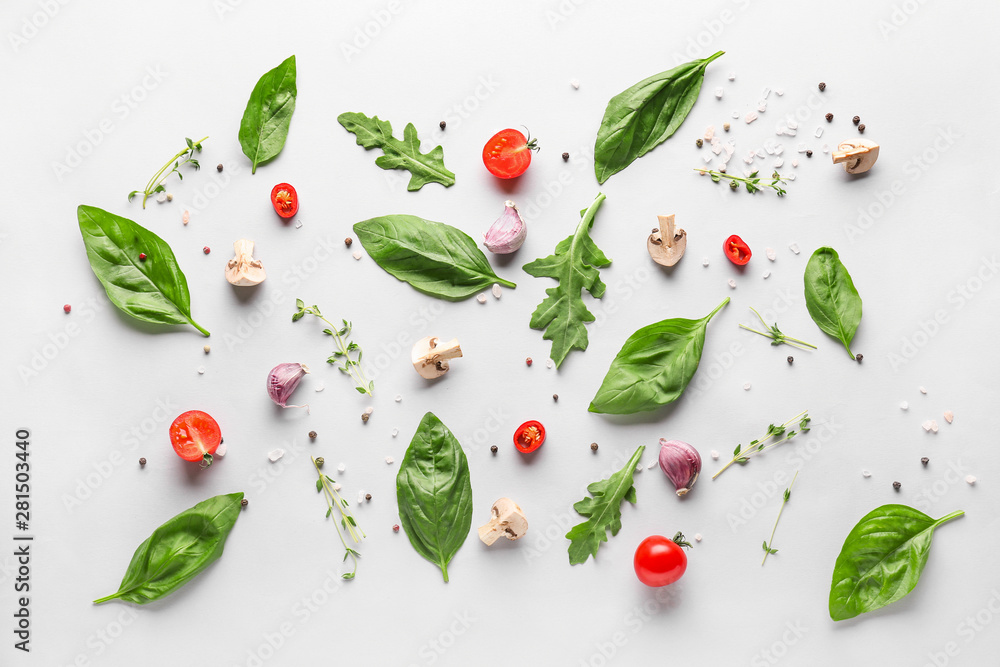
681 463
282 381
506 234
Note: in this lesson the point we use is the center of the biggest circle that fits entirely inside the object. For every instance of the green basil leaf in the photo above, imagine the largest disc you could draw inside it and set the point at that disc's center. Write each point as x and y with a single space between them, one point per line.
832 300
423 167
654 366
436 259
562 315
882 559
434 493
603 511
644 116
154 290
264 127
178 550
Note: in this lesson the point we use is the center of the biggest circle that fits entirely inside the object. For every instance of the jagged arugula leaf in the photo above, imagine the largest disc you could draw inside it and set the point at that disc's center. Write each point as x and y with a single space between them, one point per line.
563 315
423 167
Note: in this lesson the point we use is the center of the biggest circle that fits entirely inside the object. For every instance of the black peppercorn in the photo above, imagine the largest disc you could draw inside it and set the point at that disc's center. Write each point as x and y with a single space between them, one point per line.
312 435
142 461
593 446
925 461
896 485
699 143
218 167
790 359
856 120
493 448
442 124
822 86
809 153
859 357
555 397
829 118
348 241
368 496
565 157
861 128
244 502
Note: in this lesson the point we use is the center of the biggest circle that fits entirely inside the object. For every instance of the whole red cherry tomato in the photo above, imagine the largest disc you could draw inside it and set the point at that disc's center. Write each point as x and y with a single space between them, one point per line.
285 200
659 560
195 436
508 153
737 250
529 436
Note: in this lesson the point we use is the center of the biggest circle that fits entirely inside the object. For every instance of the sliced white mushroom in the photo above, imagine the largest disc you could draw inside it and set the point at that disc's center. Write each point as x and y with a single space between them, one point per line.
667 244
508 521
243 270
430 356
857 155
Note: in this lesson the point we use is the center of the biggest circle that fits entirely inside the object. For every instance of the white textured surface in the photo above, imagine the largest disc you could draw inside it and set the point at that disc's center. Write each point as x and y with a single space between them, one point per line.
111 386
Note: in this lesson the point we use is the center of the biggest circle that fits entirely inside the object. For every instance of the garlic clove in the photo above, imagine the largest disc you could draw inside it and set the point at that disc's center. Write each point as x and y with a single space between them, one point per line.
681 463
243 270
430 356
282 381
667 244
508 232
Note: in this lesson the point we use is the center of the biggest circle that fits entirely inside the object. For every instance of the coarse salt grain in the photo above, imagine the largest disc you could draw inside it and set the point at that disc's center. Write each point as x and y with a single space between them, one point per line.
732 283
801 148
795 163
275 454
320 387
715 455
201 370
221 449
826 148
949 416
779 149
736 114
481 298
779 163
750 117
298 225
764 93
794 247
650 466
336 487
704 261
708 158
904 406
496 291
865 473
575 83
549 363
342 467
790 177
930 425
819 132
186 217
160 198
638 467
698 537
762 107
923 390
970 479
771 253
356 254
395 432
361 497
388 460
718 93
767 274
746 386
792 125
709 133
779 92
398 398
732 76
369 410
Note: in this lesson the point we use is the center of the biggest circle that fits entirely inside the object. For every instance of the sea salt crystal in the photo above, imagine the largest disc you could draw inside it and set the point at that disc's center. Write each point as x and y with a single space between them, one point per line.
732 76
186 217
930 425
762 107
771 254
779 92
718 93
398 398
388 460
729 148
715 454
923 390
275 454
949 416
761 154
779 131
732 283
395 432
704 261
801 148
746 386
650 466
790 177
698 537
342 467
790 131
748 160
481 298
792 125
779 149
638 467
904 406
750 117
819 132
769 149
575 83
765 93
826 148
298 225
707 158
709 132
736 114
336 487
320 387
716 145
778 163
794 247
865 473
221 449
356 254
496 291
970 479
361 497
767 274
795 163
160 198
549 363
201 370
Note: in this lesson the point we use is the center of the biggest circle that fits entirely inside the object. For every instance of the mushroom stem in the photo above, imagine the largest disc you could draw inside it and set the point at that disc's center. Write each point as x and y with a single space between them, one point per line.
508 521
430 356
858 155
667 229
441 352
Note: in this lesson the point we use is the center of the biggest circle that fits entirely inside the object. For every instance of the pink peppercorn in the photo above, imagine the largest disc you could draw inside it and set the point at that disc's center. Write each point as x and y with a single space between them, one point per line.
67 308
395 527
142 257
528 361
206 250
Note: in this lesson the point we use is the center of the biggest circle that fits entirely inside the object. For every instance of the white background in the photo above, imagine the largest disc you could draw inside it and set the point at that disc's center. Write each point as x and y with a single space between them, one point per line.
82 382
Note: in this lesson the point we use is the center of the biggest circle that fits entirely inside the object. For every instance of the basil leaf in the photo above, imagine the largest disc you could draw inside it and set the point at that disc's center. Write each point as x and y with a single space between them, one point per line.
434 493
832 300
644 116
178 550
423 167
654 366
882 559
436 259
264 127
603 511
562 314
154 290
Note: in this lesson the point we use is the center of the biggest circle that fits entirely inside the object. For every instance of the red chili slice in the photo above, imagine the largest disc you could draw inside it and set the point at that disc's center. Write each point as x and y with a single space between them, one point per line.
737 250
529 436
285 200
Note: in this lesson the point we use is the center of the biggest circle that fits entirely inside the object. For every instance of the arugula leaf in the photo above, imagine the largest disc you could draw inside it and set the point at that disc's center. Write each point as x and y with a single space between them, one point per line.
154 290
178 550
603 511
423 167
562 314
833 302
644 116
654 366
881 559
268 114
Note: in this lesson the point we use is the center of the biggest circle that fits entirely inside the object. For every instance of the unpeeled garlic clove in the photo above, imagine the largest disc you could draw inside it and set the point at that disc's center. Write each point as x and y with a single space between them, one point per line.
282 381
681 463
243 270
508 232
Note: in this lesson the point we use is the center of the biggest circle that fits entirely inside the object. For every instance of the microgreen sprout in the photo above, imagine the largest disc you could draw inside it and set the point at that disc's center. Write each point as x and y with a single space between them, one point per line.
342 354
774 333
174 164
768 548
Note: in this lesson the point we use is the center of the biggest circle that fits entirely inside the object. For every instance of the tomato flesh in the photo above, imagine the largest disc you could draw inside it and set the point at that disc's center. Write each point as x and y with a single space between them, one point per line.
659 561
507 154
195 436
737 250
529 436
285 200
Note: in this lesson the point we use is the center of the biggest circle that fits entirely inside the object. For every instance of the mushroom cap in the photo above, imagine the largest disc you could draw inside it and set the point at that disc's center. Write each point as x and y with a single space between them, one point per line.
430 357
858 155
667 244
512 519
243 270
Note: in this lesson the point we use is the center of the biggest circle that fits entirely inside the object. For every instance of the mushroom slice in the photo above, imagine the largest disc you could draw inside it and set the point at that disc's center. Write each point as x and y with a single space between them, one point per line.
857 155
507 520
667 244
243 270
430 356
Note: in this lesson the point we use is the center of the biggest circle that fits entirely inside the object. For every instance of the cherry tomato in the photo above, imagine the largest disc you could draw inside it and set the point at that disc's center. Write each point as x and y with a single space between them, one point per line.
195 436
737 250
529 436
659 560
285 200
508 153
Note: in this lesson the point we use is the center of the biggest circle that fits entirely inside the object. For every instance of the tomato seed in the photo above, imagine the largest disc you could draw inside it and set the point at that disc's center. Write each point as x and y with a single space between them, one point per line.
67 308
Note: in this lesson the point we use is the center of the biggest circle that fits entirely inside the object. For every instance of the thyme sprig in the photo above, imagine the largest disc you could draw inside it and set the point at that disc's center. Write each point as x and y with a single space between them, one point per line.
752 182
774 333
333 499
344 351
155 184
775 435
768 544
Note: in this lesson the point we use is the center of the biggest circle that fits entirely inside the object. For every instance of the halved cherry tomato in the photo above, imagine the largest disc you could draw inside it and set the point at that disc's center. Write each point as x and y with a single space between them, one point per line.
737 250
529 436
508 153
285 200
195 436
659 560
